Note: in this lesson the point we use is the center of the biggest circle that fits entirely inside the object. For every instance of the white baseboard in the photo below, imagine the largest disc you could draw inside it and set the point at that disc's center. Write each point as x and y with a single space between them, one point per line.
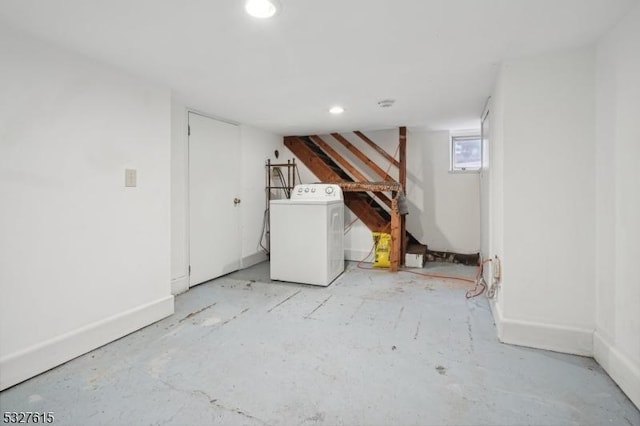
39 358
557 338
574 341
620 367
253 259
358 255
179 285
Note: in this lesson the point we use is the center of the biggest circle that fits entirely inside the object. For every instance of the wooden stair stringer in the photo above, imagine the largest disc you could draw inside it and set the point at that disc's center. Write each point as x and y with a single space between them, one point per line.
366 208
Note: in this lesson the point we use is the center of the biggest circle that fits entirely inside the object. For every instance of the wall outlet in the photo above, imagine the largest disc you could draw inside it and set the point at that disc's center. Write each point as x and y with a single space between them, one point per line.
130 178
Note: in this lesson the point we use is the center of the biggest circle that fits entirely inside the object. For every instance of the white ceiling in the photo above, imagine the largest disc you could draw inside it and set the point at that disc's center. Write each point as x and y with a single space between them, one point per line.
437 58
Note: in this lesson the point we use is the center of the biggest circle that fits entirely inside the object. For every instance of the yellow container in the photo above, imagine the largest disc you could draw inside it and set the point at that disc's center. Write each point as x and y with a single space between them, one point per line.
382 250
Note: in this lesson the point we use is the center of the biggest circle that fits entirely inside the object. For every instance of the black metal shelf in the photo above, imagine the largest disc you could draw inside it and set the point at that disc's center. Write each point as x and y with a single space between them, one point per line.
287 179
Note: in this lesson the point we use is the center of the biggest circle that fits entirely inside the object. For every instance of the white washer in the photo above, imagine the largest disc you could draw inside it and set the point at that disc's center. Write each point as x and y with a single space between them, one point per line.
307 235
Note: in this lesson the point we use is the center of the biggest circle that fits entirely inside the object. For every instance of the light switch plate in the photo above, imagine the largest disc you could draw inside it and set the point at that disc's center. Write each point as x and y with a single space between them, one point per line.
130 177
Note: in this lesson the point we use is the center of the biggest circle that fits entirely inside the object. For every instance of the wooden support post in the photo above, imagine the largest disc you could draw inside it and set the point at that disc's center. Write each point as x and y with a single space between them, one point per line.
396 240
402 177
403 158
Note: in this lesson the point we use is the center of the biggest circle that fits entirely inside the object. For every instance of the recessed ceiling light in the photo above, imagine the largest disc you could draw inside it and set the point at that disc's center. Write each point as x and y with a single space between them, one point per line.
262 8
336 110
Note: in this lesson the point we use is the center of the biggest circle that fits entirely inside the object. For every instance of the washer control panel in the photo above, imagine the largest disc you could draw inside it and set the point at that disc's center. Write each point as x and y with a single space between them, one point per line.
316 191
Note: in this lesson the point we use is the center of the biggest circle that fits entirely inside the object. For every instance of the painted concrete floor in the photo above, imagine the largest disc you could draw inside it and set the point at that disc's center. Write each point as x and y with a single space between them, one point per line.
374 348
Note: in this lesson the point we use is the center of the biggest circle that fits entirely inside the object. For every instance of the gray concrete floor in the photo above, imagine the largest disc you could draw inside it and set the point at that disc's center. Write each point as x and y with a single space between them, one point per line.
374 348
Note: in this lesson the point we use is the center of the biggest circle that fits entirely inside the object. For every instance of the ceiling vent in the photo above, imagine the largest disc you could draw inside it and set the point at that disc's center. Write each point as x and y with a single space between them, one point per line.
386 103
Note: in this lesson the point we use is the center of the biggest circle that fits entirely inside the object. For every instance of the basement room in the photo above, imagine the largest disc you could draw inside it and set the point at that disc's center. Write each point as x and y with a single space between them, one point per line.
284 212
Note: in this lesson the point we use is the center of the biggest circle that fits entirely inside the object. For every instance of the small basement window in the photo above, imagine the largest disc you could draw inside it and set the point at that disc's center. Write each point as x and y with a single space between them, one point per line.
466 153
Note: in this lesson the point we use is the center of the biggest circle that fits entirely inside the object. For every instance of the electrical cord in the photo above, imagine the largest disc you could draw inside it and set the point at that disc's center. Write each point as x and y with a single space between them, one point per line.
480 288
491 292
495 280
440 276
285 188
480 284
365 258
298 173
265 219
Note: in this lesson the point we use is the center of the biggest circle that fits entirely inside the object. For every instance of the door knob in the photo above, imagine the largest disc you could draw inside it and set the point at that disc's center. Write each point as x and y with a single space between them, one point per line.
236 201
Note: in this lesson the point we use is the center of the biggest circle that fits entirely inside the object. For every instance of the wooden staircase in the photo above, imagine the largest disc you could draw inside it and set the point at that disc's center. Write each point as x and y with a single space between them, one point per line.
362 204
377 210
372 208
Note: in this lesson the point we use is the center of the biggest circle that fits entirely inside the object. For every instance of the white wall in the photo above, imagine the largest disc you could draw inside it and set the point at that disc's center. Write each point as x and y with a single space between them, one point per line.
494 189
444 210
444 207
256 147
617 336
179 199
565 201
544 135
83 260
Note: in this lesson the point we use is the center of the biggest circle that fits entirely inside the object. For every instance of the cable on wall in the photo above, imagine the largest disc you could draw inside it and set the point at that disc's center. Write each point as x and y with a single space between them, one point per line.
285 188
298 173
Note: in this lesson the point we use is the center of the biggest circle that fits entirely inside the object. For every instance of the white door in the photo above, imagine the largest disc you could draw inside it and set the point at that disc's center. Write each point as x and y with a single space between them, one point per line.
214 192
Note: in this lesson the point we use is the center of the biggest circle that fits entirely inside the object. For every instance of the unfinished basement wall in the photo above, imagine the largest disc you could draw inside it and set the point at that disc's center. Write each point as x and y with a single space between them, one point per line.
617 336
84 260
444 208
544 200
256 147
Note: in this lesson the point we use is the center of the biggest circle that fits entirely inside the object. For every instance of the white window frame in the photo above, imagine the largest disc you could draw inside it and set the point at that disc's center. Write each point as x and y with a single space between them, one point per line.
467 135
